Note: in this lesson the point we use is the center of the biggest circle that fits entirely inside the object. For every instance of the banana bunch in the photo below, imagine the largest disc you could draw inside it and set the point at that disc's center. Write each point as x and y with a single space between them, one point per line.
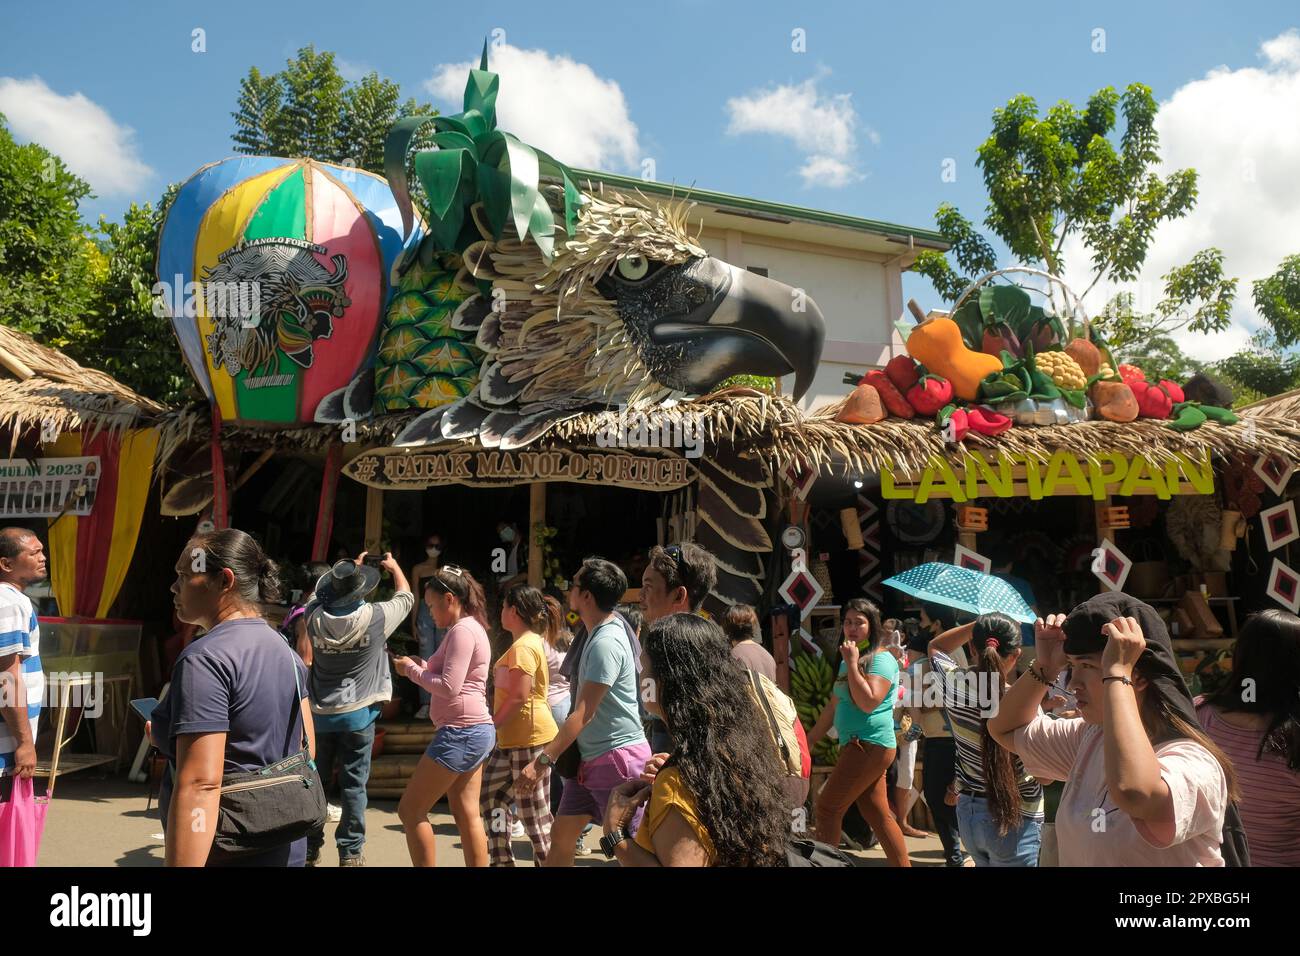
811 682
826 753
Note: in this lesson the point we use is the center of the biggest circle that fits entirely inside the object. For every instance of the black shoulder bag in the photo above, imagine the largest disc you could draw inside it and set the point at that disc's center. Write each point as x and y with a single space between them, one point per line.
272 806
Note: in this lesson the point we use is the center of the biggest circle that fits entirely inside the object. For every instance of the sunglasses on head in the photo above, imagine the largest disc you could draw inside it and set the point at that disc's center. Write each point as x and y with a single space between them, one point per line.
441 585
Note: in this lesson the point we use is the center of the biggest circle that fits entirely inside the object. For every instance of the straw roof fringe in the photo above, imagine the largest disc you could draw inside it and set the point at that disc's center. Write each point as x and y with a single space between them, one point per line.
40 386
776 429
1285 406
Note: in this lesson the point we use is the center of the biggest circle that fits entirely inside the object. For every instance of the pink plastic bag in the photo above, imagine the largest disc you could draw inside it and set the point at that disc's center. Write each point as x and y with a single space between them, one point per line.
22 822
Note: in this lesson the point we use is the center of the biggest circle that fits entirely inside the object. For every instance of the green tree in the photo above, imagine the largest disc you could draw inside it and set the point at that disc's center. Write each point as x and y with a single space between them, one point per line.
1261 370
124 335
308 109
1278 300
49 269
1053 177
1160 358
255 120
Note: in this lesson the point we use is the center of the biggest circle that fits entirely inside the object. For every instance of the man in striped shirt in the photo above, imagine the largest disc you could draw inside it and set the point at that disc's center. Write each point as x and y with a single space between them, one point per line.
22 683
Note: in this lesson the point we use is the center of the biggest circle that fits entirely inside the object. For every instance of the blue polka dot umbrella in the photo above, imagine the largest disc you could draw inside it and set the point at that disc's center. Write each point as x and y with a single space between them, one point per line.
963 589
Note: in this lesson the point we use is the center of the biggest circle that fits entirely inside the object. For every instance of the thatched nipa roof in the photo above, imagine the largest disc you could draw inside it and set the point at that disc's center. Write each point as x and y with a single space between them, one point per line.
816 439
42 387
776 429
1285 407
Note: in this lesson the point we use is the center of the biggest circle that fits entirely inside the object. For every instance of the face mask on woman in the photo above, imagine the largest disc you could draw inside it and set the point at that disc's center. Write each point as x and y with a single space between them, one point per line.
433 551
507 535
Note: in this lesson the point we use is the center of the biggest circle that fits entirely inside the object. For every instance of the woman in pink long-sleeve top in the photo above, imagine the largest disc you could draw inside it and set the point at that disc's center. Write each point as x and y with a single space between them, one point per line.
1255 718
456 679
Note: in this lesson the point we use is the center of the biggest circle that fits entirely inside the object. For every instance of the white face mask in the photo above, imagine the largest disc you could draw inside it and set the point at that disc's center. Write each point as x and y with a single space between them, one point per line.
507 535
432 552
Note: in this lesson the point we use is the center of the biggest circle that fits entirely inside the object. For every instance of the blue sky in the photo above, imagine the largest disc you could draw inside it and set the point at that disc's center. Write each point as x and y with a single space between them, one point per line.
898 88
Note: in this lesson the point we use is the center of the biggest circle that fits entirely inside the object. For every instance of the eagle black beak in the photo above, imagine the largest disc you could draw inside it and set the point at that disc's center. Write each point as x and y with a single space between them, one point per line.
747 325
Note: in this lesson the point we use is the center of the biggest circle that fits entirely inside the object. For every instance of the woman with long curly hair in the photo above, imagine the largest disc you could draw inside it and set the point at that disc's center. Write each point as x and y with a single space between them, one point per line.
717 800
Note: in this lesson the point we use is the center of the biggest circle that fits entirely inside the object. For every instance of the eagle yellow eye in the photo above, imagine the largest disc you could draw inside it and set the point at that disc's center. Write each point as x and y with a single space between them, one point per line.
633 268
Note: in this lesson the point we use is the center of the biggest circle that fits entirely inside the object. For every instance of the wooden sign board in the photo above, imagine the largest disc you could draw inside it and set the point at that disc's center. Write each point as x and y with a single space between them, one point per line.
47 487
411 469
1017 476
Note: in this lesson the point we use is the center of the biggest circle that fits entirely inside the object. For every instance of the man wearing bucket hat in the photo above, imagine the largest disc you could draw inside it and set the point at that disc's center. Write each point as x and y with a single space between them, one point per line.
350 681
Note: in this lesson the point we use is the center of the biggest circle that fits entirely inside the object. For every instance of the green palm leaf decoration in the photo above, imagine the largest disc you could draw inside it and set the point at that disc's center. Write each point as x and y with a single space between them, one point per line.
476 162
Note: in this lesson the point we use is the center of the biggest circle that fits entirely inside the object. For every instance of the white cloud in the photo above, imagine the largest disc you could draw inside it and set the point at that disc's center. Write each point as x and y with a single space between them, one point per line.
554 103
827 171
823 127
79 131
1238 130
352 72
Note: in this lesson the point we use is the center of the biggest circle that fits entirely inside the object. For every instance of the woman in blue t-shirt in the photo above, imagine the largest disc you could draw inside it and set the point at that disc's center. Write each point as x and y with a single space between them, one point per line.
237 700
861 707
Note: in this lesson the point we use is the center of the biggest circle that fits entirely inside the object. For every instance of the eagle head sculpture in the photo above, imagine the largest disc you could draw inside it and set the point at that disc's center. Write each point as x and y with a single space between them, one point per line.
576 300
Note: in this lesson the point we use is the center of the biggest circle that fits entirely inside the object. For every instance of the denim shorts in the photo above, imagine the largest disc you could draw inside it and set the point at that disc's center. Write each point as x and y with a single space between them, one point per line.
979 832
461 749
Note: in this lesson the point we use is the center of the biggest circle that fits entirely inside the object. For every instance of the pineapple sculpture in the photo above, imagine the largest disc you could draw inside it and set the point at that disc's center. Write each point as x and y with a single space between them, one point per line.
422 362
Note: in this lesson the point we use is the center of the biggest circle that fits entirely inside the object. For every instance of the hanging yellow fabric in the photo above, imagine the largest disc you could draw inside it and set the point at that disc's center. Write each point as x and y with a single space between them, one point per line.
63 534
134 475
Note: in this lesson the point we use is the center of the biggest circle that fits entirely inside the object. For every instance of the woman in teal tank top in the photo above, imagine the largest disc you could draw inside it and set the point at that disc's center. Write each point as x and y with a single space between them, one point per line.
861 708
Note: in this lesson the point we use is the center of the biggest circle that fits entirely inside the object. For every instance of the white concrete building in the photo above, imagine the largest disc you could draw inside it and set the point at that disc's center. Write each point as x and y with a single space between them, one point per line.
851 267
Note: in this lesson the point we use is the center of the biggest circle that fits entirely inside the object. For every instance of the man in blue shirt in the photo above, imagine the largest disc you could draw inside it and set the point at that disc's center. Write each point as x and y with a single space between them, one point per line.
605 721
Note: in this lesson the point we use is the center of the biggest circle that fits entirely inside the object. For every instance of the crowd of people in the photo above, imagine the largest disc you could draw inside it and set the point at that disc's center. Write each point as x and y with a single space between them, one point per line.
667 731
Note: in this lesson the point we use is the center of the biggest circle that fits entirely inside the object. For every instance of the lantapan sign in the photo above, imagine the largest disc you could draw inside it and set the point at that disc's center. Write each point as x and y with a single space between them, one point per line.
1011 476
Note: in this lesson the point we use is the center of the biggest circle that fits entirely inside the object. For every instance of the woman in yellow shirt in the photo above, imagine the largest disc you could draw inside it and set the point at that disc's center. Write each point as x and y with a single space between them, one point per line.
524 726
717 800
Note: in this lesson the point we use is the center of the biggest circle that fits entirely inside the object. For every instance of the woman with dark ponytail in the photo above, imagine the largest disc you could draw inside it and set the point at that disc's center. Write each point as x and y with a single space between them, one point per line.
456 678
524 725
1000 807
238 698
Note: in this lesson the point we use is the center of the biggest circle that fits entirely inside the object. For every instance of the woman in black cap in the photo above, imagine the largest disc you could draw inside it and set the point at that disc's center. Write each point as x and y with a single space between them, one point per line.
1144 785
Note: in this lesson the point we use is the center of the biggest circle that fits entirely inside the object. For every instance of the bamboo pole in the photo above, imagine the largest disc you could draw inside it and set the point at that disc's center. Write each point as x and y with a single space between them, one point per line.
325 507
252 469
374 519
16 366
536 521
